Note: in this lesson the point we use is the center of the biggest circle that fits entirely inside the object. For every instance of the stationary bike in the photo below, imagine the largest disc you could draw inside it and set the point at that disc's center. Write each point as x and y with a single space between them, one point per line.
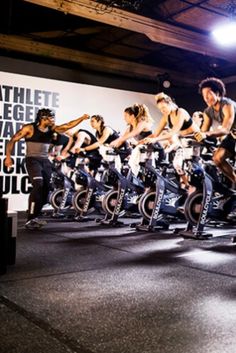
211 202
69 179
161 201
63 187
91 198
124 196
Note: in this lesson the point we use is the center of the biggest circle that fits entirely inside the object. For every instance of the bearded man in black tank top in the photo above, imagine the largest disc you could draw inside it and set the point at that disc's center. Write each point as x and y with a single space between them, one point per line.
38 137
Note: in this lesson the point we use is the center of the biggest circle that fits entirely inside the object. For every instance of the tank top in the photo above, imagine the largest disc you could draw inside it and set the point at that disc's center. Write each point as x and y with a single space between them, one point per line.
38 144
110 138
186 123
219 116
143 135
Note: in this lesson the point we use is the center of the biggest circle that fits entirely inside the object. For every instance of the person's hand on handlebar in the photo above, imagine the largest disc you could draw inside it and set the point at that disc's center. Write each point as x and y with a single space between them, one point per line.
200 136
148 140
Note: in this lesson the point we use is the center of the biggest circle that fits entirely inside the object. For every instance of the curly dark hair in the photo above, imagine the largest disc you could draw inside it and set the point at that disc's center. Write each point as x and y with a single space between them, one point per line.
42 113
215 84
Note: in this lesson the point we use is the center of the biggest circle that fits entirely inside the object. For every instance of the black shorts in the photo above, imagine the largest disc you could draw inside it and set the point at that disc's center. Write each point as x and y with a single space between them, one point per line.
39 168
229 144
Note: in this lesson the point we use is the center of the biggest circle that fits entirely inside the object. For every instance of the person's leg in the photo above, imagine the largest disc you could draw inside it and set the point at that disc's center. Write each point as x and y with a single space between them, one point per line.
227 150
46 173
219 158
35 168
178 163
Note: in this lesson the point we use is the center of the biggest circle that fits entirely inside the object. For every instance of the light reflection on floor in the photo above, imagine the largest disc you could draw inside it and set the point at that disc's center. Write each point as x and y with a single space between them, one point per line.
202 256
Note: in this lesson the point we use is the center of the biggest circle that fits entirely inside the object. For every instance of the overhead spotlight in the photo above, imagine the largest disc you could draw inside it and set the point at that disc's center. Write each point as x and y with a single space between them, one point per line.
225 35
164 80
166 84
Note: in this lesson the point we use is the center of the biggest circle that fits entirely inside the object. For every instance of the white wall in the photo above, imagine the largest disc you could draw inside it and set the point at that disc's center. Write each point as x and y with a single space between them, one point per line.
20 98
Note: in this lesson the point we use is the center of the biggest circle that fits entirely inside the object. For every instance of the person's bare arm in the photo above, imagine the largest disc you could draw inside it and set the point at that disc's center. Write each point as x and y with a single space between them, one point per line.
129 134
117 142
64 127
160 127
207 122
155 136
20 134
136 131
69 143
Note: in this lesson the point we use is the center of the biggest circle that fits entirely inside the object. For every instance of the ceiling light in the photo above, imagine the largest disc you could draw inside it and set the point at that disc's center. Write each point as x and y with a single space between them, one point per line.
226 34
163 80
166 84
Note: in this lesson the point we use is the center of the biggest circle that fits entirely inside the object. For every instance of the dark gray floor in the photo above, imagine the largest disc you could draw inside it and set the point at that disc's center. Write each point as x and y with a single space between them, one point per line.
85 288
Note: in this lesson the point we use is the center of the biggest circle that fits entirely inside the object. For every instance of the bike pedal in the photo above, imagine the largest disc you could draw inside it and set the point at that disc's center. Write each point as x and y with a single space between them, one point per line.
233 239
133 225
195 235
58 215
82 219
143 227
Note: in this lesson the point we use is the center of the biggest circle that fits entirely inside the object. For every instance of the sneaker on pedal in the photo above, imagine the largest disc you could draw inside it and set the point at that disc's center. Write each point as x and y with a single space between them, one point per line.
180 209
35 223
232 191
232 215
41 221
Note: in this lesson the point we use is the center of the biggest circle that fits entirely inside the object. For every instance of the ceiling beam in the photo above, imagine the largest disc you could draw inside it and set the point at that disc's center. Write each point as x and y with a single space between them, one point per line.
187 8
157 31
91 61
209 9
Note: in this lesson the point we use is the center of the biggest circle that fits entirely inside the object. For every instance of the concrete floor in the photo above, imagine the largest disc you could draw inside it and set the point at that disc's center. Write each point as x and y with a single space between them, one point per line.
86 288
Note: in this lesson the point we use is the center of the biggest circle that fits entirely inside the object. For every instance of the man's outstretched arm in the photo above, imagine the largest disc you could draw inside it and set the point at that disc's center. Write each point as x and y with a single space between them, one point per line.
67 126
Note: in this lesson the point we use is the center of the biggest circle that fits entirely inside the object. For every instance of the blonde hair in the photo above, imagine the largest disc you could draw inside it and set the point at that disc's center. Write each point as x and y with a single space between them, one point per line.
164 97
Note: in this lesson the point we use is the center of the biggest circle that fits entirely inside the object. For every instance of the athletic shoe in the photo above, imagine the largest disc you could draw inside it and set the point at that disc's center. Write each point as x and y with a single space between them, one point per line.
41 221
180 209
35 223
232 215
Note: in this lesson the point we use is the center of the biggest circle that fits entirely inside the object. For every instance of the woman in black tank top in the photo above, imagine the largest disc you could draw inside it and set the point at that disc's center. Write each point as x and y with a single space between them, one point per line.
104 134
176 119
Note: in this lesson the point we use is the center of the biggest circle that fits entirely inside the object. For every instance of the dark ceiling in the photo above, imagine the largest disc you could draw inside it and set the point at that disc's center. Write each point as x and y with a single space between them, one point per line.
138 38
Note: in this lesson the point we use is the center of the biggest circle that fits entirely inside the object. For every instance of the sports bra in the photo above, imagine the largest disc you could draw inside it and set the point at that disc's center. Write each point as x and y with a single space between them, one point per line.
186 123
143 134
110 138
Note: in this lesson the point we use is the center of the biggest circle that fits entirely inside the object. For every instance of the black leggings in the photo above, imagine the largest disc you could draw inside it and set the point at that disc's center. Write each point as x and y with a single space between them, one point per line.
39 170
